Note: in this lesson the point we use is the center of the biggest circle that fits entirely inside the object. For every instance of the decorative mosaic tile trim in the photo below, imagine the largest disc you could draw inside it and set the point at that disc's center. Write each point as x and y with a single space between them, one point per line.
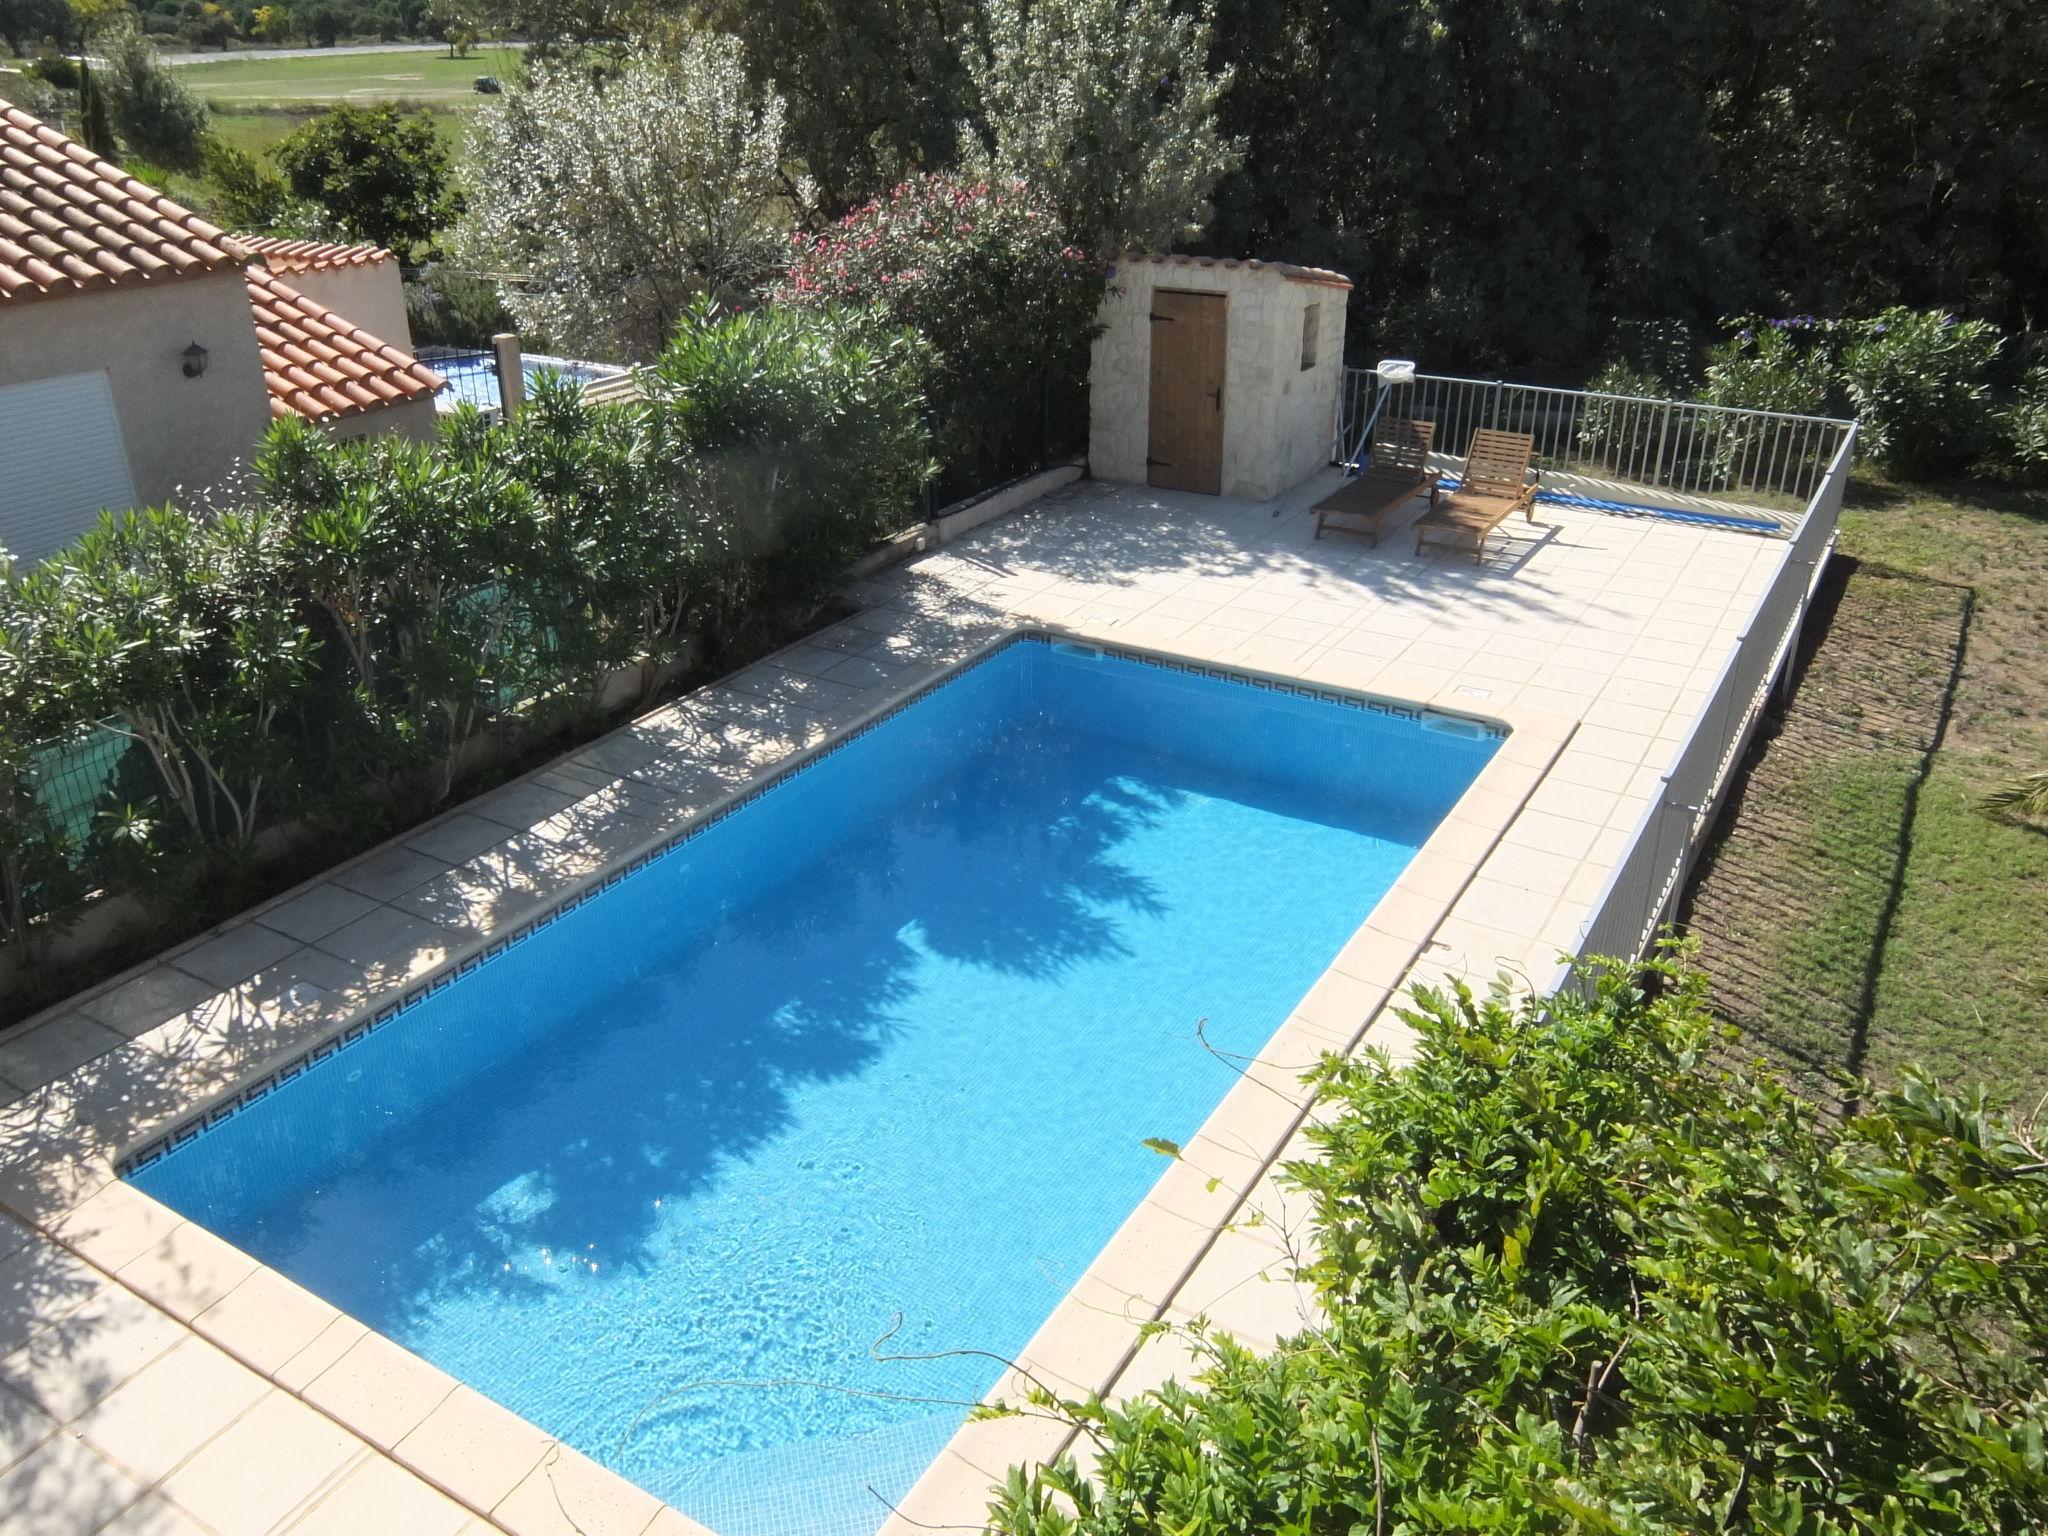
261 1087
1368 702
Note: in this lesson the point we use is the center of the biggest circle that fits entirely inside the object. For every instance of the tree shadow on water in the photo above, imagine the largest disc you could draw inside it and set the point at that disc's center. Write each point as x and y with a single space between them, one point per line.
1042 897
428 1180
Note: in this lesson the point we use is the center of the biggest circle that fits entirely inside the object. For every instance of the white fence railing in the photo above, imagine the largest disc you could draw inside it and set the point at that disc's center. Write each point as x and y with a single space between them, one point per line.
1642 893
1617 447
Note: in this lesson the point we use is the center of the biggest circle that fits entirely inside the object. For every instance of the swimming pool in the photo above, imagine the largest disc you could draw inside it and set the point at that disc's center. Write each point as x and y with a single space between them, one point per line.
472 377
872 1056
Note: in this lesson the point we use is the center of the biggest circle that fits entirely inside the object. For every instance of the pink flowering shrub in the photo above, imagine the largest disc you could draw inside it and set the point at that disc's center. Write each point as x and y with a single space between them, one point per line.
983 273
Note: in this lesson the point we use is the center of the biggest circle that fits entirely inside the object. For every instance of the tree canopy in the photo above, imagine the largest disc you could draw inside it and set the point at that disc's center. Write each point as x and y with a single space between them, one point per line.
620 201
379 175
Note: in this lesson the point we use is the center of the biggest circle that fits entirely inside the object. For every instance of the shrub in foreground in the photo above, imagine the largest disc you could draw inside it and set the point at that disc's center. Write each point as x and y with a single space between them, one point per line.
1577 1282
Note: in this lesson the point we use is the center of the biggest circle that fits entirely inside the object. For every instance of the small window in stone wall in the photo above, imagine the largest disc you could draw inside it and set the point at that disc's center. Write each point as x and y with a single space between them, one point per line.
1311 322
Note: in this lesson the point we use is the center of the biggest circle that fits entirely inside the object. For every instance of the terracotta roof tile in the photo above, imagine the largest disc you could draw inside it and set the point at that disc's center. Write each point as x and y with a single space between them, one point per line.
282 255
70 222
1321 277
318 365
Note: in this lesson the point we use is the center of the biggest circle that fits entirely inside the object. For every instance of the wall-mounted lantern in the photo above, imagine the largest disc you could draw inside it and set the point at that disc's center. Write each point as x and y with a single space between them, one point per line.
195 360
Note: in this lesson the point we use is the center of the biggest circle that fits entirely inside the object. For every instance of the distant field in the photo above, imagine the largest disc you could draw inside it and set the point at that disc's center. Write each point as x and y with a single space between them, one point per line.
257 132
427 78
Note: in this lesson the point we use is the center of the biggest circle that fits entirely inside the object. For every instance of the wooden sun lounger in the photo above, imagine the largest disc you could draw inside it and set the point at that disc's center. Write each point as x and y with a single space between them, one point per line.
1495 485
1397 470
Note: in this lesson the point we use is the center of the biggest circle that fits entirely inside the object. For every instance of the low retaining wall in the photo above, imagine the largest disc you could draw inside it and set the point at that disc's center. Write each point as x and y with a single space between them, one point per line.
948 523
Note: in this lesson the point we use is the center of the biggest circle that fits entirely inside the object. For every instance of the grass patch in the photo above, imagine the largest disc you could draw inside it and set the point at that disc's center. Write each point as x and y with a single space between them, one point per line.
1855 916
358 78
1963 980
257 131
1961 986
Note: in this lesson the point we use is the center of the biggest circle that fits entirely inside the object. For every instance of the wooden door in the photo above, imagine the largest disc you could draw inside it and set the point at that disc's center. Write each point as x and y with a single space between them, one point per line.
1184 444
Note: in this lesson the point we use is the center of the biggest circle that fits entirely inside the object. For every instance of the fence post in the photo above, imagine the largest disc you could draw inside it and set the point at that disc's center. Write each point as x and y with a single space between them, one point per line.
511 374
1663 437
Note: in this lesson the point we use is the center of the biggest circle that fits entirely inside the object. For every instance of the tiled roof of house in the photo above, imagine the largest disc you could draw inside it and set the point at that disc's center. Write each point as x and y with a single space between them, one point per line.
282 255
70 222
318 365
1321 277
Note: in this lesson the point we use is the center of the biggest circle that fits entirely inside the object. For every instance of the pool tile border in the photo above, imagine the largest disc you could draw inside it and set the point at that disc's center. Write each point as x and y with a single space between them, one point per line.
1085 1345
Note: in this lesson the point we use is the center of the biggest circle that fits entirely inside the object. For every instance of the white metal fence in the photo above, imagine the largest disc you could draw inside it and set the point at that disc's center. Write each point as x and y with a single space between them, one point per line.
1617 447
1643 891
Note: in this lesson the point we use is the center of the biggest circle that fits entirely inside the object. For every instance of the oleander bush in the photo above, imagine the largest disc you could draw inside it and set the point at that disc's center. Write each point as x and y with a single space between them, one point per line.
1920 382
1761 367
2024 425
801 438
1577 1281
1004 303
333 642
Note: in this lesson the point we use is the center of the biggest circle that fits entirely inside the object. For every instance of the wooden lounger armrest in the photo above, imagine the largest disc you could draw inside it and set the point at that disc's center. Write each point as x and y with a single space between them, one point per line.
1527 500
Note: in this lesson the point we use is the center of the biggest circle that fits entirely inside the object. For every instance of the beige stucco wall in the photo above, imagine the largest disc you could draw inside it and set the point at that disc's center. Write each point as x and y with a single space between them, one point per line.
179 432
372 297
407 418
1278 418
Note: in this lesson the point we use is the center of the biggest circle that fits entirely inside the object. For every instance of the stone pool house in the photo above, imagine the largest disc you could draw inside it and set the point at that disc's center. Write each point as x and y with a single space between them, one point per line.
1215 376
143 352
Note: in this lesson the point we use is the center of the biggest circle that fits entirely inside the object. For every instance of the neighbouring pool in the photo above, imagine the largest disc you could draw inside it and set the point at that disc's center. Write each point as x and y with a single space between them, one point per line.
472 378
876 1052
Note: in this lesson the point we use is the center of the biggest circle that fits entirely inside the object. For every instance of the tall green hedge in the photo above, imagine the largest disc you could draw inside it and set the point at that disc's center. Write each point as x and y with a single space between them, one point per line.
329 645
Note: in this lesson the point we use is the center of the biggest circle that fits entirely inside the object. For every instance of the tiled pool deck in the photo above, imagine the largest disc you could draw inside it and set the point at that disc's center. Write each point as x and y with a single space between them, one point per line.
154 1379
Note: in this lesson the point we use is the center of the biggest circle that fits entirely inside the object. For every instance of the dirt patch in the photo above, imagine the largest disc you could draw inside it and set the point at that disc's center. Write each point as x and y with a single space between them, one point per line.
1793 901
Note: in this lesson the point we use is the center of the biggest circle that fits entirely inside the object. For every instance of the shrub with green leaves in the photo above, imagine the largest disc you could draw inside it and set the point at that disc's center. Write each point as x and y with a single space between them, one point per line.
183 634
414 553
1763 368
378 174
40 889
1920 383
797 437
1577 1282
1007 308
2024 424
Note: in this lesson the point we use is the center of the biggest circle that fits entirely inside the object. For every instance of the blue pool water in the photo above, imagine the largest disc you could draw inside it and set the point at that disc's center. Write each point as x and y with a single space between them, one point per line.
878 1052
472 378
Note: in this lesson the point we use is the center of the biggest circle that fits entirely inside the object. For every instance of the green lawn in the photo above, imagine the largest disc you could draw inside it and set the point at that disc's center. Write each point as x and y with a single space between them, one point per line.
1962 983
1855 916
429 79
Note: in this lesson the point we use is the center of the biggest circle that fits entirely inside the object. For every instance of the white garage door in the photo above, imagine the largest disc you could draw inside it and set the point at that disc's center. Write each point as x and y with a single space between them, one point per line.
61 460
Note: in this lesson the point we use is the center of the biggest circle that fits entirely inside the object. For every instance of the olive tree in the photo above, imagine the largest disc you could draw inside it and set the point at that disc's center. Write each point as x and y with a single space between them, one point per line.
1109 108
614 200
154 113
